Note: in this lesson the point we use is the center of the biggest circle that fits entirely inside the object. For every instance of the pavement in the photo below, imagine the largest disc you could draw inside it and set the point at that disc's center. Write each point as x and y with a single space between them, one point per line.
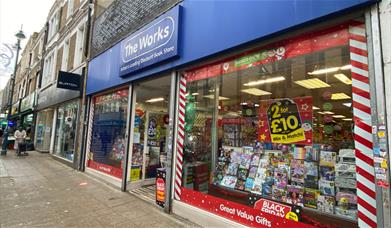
37 191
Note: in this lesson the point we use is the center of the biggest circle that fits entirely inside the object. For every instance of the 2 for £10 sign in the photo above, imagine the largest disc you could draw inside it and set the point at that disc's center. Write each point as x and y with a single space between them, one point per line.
286 121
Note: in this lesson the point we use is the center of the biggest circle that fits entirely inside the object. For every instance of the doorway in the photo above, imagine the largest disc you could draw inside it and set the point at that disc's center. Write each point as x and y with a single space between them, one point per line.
149 133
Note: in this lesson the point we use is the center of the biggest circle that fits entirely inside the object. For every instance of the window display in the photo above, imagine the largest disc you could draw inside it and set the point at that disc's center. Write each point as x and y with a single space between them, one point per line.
66 130
43 130
275 124
108 133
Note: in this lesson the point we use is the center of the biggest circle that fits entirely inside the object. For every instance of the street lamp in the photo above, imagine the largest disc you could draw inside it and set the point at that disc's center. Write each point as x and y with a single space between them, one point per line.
19 36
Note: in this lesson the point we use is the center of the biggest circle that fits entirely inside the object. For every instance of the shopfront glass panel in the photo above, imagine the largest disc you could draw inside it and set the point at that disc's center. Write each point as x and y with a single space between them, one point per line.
274 124
108 140
150 128
43 130
66 128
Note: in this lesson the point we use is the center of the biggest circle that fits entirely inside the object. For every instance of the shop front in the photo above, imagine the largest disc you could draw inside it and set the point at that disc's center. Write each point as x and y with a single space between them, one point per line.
267 125
66 130
281 132
27 114
108 119
56 124
141 108
128 125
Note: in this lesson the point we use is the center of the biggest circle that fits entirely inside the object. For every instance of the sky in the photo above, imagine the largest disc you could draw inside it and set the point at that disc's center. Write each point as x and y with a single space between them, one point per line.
31 14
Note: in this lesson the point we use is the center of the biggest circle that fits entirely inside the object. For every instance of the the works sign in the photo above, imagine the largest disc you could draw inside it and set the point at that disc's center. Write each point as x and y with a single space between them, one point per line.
156 42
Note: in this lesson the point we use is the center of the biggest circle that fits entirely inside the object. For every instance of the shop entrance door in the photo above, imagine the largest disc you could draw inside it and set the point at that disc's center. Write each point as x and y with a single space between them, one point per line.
147 151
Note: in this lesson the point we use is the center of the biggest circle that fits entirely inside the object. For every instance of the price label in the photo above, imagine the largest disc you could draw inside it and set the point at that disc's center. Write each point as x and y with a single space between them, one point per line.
284 122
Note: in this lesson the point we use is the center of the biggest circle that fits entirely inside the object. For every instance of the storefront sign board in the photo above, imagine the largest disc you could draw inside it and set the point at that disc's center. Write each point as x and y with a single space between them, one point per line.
27 102
114 171
242 214
53 95
154 43
272 207
67 80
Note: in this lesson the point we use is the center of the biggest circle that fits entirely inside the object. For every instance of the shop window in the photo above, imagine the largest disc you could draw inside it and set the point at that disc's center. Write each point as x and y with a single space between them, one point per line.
48 70
107 146
43 129
79 54
66 128
275 124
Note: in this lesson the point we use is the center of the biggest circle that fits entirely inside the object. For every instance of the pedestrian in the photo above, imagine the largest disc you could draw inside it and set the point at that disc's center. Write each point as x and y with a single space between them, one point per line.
20 136
1 136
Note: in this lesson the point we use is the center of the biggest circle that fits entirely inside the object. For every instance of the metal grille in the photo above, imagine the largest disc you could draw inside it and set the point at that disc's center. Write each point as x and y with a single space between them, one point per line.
124 17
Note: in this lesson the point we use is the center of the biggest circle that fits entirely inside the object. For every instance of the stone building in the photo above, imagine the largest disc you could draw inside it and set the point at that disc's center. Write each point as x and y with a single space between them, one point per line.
58 107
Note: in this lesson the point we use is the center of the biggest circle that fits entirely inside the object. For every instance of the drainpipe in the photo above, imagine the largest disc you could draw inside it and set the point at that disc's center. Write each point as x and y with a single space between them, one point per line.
85 102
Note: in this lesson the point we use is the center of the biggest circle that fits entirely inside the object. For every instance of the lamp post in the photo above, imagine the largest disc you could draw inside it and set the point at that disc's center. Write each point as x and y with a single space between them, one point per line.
19 36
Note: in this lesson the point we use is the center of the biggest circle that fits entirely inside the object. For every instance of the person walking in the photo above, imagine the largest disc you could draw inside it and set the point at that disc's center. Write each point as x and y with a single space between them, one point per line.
20 136
1 136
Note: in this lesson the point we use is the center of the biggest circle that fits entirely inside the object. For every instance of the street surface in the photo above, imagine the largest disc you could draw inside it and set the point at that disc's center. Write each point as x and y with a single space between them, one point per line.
37 191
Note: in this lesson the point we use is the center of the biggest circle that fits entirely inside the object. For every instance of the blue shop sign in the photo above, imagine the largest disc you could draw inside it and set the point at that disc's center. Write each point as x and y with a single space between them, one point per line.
208 28
156 42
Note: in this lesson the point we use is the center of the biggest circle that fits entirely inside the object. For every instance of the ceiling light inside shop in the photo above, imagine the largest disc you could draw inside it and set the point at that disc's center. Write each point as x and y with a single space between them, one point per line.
256 105
264 81
347 119
330 70
256 92
324 71
213 97
339 96
243 103
313 83
322 113
339 116
346 67
315 108
155 100
348 104
343 78
328 113
195 94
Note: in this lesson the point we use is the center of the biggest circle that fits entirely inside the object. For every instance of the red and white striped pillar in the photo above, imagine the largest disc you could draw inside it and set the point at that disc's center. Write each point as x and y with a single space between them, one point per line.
366 189
89 130
180 137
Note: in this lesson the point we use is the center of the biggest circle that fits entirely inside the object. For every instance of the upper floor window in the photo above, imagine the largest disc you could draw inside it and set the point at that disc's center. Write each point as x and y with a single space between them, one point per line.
79 55
53 25
70 8
48 70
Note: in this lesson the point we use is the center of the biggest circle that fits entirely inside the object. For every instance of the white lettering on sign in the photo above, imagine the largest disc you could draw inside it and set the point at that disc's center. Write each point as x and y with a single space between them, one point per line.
273 209
227 209
68 84
152 38
243 214
104 168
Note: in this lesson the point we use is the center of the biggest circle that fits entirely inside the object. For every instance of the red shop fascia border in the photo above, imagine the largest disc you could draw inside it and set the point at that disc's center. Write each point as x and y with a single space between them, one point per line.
296 46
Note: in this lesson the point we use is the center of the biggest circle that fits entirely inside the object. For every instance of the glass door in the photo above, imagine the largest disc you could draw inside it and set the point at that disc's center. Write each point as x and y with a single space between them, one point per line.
149 129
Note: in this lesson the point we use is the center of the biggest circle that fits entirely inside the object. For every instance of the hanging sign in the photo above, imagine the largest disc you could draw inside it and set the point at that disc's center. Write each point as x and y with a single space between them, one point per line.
286 121
67 80
156 42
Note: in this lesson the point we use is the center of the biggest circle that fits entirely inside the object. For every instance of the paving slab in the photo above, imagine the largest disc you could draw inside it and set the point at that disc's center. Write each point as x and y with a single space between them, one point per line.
38 191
